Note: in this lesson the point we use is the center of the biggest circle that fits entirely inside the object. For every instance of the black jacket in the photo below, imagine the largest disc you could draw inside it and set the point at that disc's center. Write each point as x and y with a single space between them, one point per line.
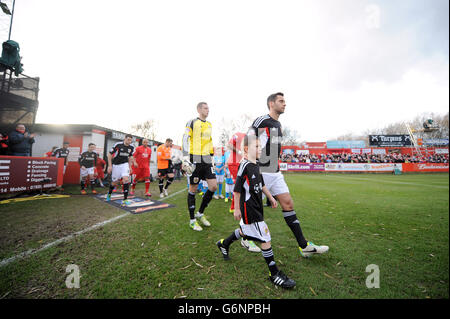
18 143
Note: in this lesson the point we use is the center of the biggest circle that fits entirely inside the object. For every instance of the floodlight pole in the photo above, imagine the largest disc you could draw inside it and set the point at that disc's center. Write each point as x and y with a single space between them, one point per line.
12 16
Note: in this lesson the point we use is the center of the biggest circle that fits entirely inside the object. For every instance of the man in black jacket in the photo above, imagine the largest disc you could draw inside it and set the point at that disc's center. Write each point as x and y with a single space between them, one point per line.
20 141
4 144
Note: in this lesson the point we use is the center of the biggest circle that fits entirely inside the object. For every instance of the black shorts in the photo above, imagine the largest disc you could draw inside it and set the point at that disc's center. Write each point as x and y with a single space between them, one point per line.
164 172
202 171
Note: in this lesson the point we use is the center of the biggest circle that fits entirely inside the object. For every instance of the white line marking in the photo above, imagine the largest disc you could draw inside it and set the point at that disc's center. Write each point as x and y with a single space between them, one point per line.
30 252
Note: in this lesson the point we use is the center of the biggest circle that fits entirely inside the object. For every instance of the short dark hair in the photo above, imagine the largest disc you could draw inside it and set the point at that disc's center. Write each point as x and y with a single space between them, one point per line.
129 135
169 140
200 104
91 144
273 98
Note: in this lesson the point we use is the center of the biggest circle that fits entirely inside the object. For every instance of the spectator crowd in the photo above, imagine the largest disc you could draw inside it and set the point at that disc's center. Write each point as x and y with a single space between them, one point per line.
363 158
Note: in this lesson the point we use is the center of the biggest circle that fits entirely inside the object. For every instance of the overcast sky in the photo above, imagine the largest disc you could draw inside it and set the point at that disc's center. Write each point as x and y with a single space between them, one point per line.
343 65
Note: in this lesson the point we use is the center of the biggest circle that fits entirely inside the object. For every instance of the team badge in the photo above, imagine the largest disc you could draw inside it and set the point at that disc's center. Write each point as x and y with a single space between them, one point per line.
195 180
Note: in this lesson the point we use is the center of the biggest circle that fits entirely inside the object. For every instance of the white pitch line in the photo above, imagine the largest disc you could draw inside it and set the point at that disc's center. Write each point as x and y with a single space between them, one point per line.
30 252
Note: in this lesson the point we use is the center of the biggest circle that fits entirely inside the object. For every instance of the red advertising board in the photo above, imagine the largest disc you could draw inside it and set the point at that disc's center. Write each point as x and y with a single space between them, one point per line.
425 167
21 174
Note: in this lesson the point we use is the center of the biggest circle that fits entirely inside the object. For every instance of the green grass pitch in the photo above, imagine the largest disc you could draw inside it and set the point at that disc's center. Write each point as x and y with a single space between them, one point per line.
399 223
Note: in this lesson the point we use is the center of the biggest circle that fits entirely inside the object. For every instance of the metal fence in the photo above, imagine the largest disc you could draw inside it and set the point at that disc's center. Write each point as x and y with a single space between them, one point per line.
21 85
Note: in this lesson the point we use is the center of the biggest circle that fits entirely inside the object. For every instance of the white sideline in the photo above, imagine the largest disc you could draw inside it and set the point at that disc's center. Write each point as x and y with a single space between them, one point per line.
29 252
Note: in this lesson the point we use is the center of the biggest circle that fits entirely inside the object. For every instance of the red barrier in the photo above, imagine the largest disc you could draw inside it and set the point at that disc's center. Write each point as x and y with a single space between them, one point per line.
425 167
21 174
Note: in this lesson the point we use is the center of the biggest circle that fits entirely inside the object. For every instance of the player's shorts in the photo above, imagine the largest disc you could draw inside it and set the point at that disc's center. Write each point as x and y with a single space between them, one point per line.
202 171
141 172
100 173
87 171
275 183
119 171
229 188
257 231
164 172
220 178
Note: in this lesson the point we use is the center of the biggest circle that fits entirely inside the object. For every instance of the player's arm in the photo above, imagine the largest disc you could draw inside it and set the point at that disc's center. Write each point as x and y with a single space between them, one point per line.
272 200
238 188
110 161
237 209
187 138
222 169
158 154
134 158
186 164
131 160
211 150
80 160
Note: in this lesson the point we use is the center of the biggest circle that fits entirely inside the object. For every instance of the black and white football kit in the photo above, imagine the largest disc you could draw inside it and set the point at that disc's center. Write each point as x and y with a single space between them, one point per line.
270 134
249 184
89 161
120 157
268 130
62 153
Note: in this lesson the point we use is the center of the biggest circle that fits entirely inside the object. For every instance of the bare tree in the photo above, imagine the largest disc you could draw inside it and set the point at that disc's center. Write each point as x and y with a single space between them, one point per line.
230 126
290 137
146 129
416 124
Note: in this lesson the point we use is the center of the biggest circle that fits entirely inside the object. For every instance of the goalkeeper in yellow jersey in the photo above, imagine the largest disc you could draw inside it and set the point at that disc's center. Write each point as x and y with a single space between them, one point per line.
198 163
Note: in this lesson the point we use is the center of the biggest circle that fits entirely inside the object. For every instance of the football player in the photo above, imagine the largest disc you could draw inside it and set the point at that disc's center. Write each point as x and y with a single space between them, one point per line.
141 167
165 166
198 152
120 159
62 153
268 129
249 211
88 162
